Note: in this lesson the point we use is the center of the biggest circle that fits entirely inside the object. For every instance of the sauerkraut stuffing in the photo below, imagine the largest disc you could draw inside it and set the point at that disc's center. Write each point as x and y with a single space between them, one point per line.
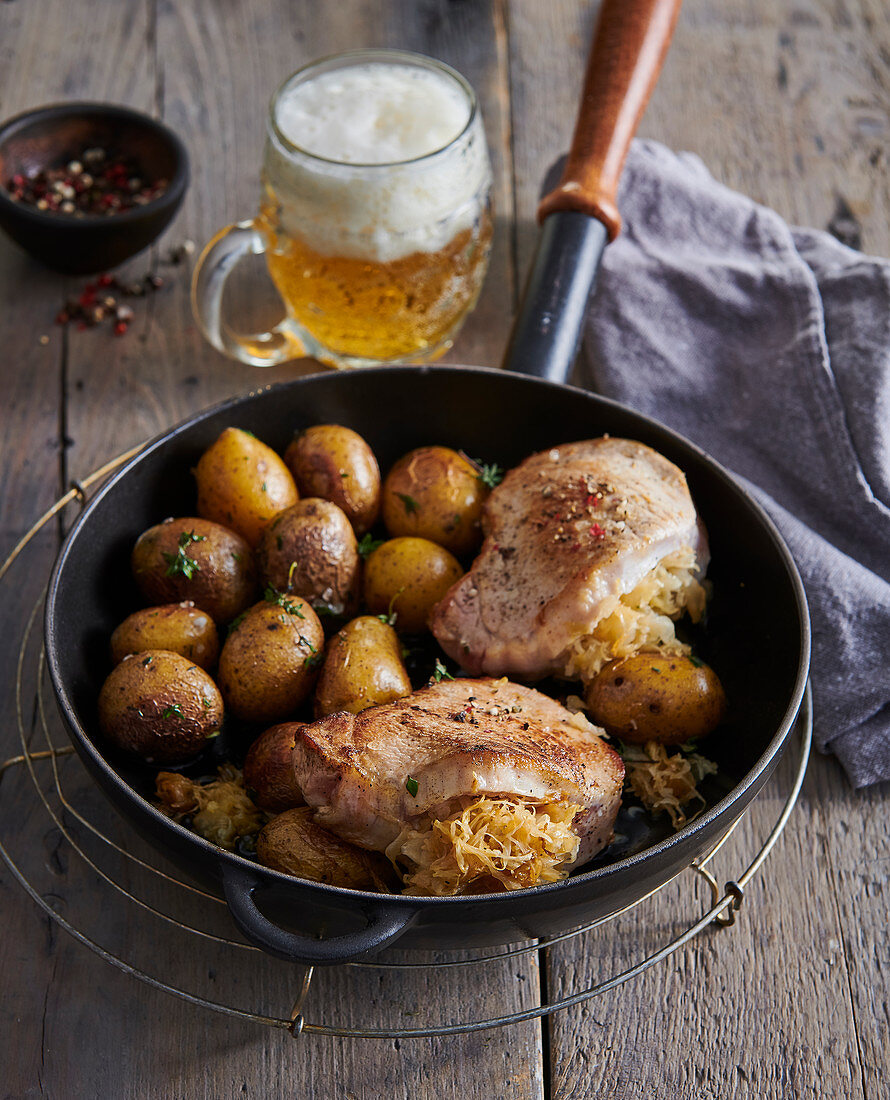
514 842
642 618
666 783
221 810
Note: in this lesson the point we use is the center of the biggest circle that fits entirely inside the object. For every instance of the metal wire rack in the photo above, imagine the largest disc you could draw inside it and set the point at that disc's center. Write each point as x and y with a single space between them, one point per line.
140 881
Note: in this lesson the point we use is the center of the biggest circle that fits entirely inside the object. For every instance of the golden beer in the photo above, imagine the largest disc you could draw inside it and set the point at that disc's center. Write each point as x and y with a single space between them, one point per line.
407 308
375 217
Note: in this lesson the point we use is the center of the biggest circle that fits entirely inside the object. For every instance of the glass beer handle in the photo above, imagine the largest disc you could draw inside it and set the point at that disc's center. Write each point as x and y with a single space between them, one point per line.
214 266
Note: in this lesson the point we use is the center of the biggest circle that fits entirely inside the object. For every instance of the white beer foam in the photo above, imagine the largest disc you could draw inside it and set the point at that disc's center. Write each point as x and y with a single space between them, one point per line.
374 113
372 198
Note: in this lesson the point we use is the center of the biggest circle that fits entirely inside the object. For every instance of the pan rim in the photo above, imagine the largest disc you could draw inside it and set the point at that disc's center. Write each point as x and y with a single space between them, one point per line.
722 808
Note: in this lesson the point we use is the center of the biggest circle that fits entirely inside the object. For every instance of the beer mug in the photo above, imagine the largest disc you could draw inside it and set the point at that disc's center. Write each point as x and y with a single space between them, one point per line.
375 215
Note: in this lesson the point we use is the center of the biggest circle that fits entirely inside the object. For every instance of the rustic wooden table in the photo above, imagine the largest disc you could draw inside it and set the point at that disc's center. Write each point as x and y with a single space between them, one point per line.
785 100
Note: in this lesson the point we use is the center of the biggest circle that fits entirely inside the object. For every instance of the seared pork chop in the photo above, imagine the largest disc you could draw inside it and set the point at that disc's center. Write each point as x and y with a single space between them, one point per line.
498 766
570 533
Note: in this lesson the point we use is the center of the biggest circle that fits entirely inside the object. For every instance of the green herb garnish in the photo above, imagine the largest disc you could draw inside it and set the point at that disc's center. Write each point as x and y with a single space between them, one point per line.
411 786
696 661
146 662
440 672
490 474
368 544
411 505
173 709
180 562
205 702
388 617
212 734
272 595
235 623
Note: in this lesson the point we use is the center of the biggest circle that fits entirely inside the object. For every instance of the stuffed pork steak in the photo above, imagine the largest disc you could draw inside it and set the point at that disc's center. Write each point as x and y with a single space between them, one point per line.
465 784
592 550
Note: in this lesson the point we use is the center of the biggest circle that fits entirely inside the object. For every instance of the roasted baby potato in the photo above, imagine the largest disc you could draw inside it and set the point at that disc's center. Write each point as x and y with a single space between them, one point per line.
268 770
267 666
408 576
362 667
294 844
160 706
310 550
656 697
435 493
176 627
335 463
198 560
242 483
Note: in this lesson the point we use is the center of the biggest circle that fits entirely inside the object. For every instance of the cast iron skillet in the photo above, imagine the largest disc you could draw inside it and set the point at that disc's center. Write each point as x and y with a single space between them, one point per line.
757 636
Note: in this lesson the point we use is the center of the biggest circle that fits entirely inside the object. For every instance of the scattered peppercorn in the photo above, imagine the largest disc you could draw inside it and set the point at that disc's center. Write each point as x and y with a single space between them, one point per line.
100 301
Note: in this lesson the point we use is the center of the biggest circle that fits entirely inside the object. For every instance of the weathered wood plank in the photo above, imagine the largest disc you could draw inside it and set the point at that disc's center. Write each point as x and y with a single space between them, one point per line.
41 59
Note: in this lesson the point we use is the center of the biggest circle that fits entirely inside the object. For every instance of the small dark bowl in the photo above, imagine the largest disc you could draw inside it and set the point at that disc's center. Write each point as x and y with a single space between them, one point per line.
50 136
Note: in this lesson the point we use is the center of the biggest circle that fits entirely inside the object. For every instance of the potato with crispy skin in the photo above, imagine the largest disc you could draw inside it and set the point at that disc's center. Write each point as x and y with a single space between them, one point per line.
177 627
435 493
160 706
198 560
362 667
269 771
293 844
335 463
268 662
409 576
310 550
651 696
242 483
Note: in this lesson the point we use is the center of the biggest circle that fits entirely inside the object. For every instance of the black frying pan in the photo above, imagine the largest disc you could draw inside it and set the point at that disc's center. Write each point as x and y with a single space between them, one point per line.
757 636
757 639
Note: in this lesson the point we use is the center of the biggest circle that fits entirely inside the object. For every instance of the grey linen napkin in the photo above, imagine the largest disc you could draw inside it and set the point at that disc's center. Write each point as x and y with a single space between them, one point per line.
769 346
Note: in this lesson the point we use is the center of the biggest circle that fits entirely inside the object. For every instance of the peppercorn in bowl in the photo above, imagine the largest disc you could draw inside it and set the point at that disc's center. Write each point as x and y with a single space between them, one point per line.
85 186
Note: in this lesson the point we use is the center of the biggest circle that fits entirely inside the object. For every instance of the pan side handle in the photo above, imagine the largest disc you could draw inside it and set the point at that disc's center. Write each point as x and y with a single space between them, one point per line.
385 923
580 215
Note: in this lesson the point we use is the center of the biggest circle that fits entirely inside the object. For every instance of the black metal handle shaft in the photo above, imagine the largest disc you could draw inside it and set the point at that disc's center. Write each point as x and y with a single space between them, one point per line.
547 330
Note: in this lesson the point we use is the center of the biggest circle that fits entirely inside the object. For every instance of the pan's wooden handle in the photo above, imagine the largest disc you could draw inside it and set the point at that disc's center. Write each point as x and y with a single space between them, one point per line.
631 40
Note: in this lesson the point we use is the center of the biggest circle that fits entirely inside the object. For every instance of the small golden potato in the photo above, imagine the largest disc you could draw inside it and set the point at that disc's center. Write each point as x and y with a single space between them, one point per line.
268 662
177 627
409 576
435 493
310 550
335 463
195 559
293 844
656 697
242 483
269 770
160 706
362 668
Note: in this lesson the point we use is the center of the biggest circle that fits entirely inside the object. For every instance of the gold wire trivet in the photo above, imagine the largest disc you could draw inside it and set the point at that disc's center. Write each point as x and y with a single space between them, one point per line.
59 809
